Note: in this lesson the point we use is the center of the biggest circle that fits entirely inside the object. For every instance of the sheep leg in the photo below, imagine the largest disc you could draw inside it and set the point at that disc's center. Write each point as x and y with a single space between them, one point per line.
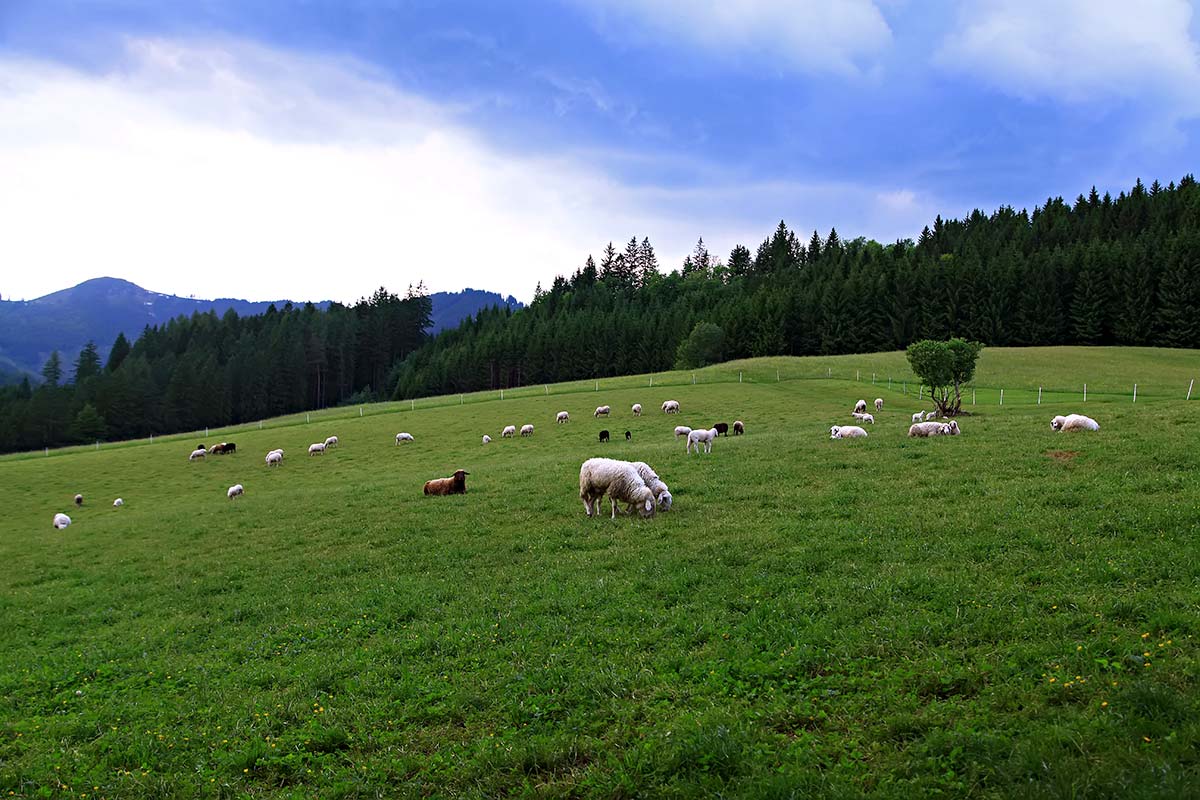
614 507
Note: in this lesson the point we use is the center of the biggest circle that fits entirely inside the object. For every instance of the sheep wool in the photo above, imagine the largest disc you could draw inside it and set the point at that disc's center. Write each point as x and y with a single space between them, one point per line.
619 480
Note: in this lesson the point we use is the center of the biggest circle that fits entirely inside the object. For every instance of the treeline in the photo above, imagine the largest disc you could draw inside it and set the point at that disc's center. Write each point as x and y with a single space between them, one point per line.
206 370
1099 271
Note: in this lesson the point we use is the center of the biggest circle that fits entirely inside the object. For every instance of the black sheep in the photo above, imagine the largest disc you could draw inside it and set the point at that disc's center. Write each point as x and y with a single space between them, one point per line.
604 436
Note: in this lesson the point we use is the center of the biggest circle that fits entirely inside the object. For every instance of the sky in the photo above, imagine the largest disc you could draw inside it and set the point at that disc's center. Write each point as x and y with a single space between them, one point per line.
321 149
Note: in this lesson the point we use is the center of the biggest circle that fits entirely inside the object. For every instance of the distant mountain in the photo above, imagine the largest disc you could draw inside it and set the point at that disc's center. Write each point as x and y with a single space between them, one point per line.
99 309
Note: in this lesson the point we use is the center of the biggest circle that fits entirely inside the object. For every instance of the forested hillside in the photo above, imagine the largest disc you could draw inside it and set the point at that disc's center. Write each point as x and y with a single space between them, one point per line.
1101 270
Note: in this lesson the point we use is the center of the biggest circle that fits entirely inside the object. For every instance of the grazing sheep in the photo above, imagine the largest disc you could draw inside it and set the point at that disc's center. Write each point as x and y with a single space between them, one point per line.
1074 422
847 432
199 452
739 427
118 503
659 489
79 501
878 404
603 436
602 411
701 437
486 439
722 428
276 450
403 437
864 417
562 417
917 417
670 406
332 441
628 435
619 480
316 449
682 430
527 430
222 449
61 521
926 429
235 491
637 409
860 406
508 432
274 459
455 484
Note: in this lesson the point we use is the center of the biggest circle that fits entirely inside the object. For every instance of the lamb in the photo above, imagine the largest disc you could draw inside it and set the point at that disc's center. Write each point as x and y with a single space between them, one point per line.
61 521
199 452
659 489
455 484
602 411
235 491
878 404
721 428
865 417
739 427
670 406
930 415
118 503
637 409
682 430
860 406
486 439
1074 422
562 417
403 437
527 430
316 449
847 432
332 441
927 429
952 428
603 436
79 501
619 480
917 417
508 432
701 437
274 459
628 435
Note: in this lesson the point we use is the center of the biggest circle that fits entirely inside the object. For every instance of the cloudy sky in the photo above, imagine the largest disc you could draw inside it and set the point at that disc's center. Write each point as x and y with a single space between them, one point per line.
318 150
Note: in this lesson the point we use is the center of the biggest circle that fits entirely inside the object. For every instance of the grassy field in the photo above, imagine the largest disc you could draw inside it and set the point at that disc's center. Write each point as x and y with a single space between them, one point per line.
1008 613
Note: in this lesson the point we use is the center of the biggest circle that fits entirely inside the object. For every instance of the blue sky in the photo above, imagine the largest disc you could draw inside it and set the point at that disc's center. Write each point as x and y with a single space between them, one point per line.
320 149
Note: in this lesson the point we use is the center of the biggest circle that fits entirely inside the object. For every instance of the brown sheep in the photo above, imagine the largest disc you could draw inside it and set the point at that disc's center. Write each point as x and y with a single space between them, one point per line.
455 484
739 428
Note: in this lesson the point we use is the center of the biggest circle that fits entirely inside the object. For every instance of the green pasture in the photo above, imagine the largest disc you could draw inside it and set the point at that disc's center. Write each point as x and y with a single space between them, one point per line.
1008 613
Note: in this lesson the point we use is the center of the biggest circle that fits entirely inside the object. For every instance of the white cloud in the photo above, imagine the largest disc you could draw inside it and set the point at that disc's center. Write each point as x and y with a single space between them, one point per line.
1080 51
788 35
233 170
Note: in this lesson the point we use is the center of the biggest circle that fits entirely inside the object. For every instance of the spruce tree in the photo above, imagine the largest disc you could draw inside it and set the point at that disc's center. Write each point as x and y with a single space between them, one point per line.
88 363
52 369
120 350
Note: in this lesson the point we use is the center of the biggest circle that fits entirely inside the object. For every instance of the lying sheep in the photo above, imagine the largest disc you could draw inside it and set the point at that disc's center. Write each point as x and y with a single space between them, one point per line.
199 452
332 441
274 459
878 404
527 430
619 480
508 432
235 491
864 417
61 521
316 449
455 484
403 437
952 428
846 432
659 489
670 406
118 503
927 429
562 417
701 437
1074 422
637 409
739 427
486 439
682 430
860 406
602 411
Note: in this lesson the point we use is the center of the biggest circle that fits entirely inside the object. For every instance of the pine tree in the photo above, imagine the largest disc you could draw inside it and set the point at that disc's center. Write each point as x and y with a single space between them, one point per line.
52 369
1177 320
648 263
120 350
1087 307
88 363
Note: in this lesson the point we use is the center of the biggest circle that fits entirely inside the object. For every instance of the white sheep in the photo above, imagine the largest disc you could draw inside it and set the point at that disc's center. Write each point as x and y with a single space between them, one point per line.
199 452
235 491
562 417
846 432
487 439
332 441
670 406
637 409
682 430
878 404
619 480
925 429
860 406
700 437
61 521
1074 422
864 417
527 430
508 432
118 503
602 411
403 437
952 429
276 450
930 415
274 459
917 417
316 449
659 489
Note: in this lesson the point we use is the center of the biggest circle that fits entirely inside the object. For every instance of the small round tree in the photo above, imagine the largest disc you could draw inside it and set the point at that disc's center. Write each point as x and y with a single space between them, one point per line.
945 367
704 346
